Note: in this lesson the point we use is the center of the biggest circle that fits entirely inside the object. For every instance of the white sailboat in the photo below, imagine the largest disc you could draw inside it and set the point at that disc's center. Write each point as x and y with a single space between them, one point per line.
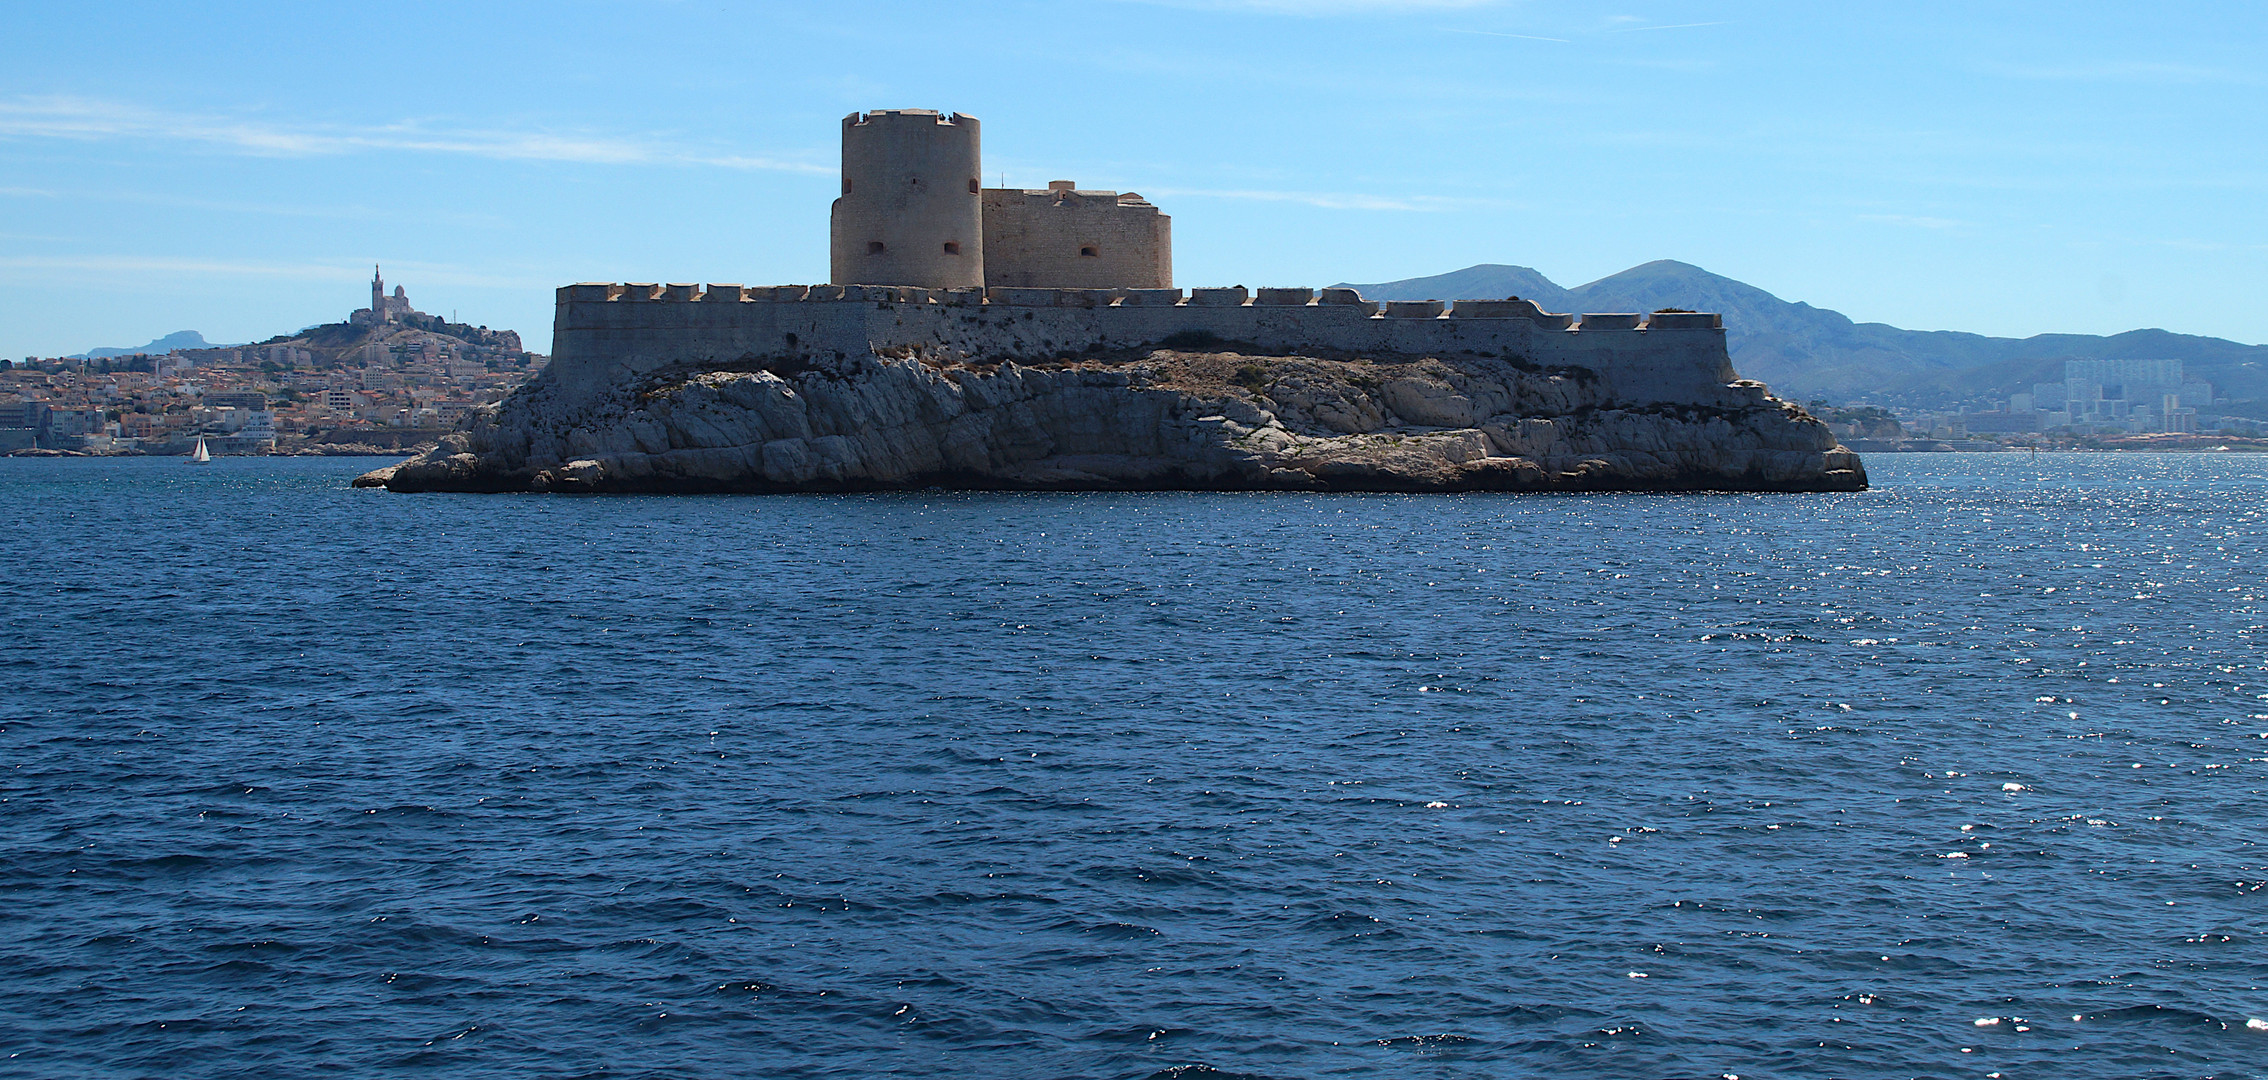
200 455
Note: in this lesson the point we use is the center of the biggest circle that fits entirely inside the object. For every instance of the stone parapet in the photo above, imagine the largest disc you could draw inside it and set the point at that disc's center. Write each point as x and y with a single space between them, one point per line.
1340 301
1494 309
605 330
1001 294
1230 297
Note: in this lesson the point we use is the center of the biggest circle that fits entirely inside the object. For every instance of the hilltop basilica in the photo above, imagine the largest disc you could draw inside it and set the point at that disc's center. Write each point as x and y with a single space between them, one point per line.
383 308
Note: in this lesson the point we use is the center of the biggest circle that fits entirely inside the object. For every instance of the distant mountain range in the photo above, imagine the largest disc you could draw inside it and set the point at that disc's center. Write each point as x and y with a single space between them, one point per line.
179 339
1805 352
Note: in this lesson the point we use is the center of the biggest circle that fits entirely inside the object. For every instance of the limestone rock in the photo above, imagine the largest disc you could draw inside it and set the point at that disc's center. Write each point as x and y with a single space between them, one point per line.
376 478
1154 420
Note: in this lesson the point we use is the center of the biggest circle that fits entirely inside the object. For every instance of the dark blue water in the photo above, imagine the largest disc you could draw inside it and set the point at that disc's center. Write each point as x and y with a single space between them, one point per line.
1959 777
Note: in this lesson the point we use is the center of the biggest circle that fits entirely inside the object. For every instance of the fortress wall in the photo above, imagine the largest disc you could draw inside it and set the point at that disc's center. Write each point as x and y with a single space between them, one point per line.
602 333
1038 239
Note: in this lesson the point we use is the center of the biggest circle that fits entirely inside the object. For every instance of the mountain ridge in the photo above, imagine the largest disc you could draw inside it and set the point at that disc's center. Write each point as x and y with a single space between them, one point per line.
1804 351
179 339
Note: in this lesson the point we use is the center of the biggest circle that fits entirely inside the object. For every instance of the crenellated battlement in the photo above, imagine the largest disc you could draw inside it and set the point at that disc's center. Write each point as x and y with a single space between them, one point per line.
902 116
1335 300
605 331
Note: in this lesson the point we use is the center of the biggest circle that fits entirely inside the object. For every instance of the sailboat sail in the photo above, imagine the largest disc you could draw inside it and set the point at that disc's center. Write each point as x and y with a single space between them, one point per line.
200 453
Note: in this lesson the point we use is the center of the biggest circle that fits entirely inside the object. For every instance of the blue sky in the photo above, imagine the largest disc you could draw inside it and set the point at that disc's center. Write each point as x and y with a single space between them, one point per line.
2005 168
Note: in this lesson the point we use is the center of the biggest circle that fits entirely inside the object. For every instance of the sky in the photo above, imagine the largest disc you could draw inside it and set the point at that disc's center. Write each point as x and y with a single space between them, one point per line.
2004 168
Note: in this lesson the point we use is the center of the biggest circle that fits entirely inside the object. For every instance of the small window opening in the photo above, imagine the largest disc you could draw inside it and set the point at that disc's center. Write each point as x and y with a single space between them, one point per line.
1089 250
973 188
846 185
874 247
952 247
914 180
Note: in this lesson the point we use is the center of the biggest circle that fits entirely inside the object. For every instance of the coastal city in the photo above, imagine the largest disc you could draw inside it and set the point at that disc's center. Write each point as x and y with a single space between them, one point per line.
2099 404
386 380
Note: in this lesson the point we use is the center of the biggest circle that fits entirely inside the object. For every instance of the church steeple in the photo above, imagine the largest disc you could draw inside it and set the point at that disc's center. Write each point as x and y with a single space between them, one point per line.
377 296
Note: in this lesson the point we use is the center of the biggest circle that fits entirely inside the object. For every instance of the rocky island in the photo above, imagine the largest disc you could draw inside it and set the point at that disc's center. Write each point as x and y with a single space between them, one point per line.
994 406
1103 376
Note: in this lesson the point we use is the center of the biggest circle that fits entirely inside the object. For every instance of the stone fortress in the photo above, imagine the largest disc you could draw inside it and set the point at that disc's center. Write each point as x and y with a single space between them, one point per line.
914 211
997 337
926 258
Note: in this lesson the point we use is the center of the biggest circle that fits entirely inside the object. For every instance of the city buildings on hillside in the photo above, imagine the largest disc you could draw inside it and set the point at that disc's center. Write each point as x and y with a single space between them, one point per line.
400 382
2119 395
2096 397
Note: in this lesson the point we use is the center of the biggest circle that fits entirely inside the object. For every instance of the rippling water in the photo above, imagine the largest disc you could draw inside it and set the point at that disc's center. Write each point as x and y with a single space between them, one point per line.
1959 777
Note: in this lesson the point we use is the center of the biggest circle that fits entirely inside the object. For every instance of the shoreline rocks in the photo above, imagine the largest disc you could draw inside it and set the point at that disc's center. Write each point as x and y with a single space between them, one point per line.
1141 420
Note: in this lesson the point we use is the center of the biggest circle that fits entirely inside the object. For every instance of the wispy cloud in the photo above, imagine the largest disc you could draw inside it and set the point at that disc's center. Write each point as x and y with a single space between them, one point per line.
90 120
178 266
1324 8
2126 71
1913 222
1671 26
136 264
1616 29
1501 34
1329 200
265 209
2186 244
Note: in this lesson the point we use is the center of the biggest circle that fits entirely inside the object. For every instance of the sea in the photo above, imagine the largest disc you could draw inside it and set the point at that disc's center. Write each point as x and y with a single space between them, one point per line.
1962 776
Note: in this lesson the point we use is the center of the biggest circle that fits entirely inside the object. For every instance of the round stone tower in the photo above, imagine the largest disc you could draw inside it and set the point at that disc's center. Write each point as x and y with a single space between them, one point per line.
910 209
